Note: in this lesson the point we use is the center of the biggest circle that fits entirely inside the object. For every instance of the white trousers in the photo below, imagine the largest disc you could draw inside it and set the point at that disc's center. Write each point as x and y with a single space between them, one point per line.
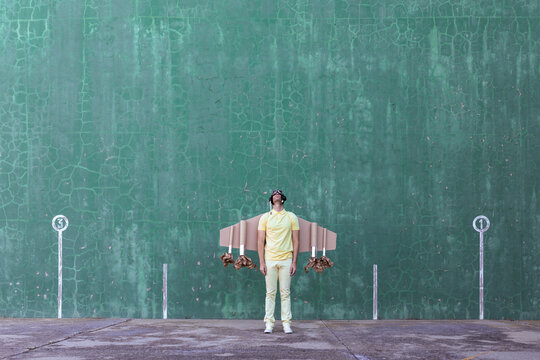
278 270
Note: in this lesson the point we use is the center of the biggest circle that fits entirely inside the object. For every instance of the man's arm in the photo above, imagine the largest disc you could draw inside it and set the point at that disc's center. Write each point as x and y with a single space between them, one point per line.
296 244
261 235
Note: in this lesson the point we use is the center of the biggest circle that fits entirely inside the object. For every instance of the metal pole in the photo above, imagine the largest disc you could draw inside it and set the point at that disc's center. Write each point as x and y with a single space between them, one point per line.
481 230
481 294
375 292
164 291
60 274
60 223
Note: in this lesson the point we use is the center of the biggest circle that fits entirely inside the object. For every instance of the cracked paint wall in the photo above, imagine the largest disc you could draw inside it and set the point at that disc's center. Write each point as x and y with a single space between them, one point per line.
153 124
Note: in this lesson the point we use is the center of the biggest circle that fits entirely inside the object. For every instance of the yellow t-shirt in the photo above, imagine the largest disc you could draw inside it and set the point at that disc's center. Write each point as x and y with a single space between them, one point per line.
278 227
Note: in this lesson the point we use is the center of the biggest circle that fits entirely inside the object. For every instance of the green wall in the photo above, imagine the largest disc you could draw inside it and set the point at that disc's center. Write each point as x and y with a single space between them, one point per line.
152 124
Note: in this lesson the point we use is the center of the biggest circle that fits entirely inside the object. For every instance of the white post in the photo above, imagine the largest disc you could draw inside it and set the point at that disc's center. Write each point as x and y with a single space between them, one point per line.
60 274
242 236
164 291
60 223
481 230
481 277
313 239
375 292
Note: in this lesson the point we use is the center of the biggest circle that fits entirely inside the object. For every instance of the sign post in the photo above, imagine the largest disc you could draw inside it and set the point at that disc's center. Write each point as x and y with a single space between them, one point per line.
60 223
480 219
165 291
375 315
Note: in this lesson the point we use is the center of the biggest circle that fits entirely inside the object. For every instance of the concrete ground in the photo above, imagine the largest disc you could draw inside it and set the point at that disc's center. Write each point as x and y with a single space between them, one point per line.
244 339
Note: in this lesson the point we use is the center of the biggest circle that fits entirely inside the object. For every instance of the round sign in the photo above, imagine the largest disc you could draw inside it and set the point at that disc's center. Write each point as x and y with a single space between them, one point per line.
60 223
482 228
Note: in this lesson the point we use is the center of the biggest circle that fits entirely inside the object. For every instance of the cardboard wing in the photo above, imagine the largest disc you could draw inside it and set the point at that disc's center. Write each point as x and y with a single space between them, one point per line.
245 233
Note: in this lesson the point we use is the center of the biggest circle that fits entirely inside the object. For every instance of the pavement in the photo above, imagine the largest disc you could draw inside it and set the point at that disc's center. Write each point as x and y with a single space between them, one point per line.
244 339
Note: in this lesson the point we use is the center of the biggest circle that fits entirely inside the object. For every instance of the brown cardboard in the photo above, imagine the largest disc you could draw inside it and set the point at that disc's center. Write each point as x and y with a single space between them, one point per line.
251 235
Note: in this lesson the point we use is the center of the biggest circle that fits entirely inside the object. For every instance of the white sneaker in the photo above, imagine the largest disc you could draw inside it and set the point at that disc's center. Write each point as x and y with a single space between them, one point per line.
287 328
268 329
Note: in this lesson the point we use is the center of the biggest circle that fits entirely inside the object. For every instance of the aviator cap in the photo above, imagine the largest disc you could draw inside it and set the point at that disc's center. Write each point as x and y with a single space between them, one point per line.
277 191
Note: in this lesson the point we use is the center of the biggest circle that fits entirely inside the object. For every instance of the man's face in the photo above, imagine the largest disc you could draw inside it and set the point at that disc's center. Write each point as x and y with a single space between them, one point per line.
276 198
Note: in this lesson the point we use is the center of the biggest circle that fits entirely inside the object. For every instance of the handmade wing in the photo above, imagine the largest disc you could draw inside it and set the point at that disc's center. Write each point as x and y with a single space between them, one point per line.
245 233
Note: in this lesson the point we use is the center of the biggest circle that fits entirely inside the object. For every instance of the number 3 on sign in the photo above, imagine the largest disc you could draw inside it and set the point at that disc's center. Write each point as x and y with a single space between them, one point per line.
60 223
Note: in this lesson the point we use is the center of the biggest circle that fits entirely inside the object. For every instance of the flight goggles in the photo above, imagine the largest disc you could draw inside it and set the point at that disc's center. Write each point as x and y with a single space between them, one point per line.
277 191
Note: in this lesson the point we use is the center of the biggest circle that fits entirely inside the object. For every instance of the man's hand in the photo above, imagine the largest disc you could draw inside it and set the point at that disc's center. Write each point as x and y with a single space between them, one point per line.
293 269
262 267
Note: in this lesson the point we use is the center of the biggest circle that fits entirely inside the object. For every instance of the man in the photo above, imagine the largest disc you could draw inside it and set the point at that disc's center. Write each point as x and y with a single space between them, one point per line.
277 258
